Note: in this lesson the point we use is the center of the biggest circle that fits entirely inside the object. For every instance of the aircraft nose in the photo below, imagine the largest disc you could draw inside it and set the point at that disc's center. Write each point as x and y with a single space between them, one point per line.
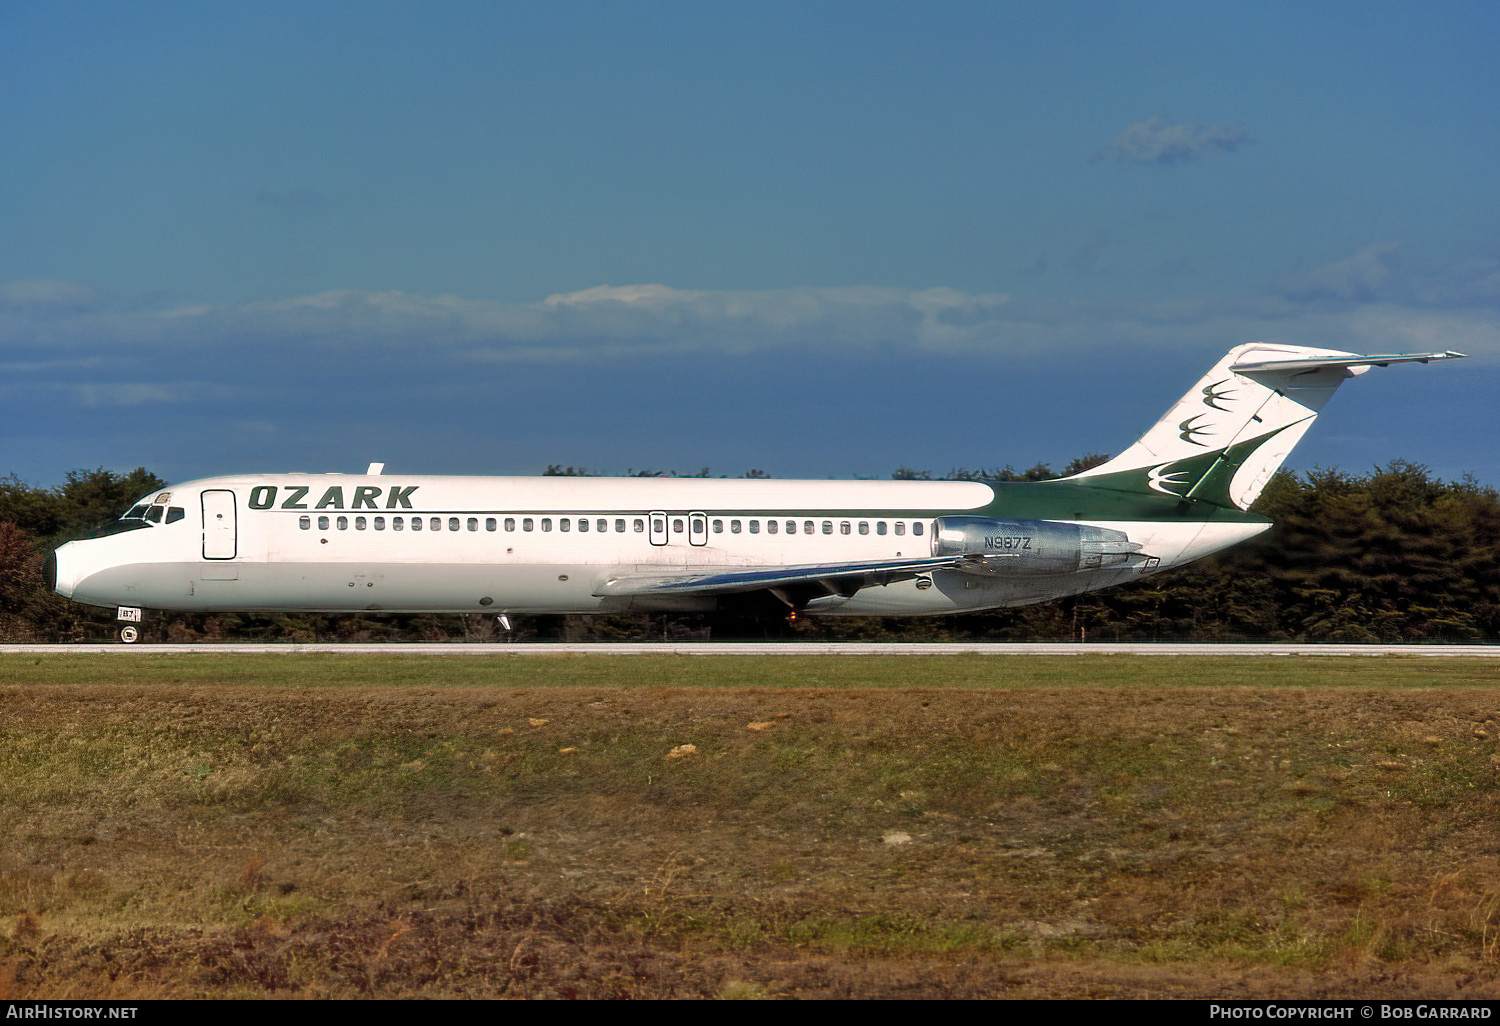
58 572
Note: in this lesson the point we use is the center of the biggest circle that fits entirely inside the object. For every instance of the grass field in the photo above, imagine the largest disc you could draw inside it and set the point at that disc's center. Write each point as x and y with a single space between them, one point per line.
587 826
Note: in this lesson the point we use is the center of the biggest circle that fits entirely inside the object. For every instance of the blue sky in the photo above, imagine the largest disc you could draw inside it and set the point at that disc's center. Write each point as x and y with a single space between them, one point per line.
819 239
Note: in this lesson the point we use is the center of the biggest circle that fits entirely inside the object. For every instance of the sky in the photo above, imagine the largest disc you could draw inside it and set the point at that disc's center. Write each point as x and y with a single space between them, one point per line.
817 239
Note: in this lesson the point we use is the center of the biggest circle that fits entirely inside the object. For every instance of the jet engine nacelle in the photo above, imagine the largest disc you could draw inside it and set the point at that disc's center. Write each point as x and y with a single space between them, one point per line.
1006 547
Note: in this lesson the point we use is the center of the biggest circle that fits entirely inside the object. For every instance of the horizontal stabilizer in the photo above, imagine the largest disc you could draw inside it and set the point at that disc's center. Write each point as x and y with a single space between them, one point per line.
1253 366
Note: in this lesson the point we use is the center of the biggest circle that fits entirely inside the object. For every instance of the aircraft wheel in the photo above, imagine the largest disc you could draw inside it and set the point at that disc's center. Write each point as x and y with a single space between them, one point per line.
129 635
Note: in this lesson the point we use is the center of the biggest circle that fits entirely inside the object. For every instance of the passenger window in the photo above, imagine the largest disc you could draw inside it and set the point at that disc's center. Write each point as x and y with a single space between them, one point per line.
343 523
880 527
828 527
843 527
602 525
583 523
791 527
305 523
473 524
546 523
734 527
677 527
527 524
807 527
656 525
416 523
718 527
510 523
916 528
864 527
755 527
435 524
359 523
322 523
771 527
565 524
900 527
380 523
453 523
640 525
397 523
490 523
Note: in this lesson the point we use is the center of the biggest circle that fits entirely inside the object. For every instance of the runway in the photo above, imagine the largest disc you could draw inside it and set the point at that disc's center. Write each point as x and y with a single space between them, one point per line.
774 649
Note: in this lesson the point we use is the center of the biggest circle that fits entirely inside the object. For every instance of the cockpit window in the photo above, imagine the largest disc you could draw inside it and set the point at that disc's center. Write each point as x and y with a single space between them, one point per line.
145 514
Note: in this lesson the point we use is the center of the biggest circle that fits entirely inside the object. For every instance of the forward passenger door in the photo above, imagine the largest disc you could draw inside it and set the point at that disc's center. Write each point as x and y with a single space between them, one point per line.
220 535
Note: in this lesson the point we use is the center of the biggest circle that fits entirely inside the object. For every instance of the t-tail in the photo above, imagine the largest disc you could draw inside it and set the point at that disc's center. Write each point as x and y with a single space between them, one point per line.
1224 439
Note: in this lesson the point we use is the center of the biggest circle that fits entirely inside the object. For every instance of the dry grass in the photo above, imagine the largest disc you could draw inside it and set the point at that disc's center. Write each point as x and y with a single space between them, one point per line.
295 826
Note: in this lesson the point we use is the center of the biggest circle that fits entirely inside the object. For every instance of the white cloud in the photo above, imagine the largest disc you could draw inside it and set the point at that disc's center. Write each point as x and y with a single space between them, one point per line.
109 394
1417 330
1381 275
616 294
1155 140
1331 305
136 393
599 320
1359 276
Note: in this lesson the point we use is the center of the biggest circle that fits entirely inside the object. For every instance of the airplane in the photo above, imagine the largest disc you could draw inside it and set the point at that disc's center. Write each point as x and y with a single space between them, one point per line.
330 543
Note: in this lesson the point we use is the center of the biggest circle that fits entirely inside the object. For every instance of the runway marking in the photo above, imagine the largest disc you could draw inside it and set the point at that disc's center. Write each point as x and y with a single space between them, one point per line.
813 648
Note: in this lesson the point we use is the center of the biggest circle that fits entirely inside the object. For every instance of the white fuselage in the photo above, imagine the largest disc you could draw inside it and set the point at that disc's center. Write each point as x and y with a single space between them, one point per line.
345 543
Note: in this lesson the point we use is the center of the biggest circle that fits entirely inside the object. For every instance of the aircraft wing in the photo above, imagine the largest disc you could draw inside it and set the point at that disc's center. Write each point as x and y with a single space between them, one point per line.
833 578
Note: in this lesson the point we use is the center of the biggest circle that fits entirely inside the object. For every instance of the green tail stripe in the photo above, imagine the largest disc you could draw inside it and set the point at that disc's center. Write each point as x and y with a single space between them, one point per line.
1203 478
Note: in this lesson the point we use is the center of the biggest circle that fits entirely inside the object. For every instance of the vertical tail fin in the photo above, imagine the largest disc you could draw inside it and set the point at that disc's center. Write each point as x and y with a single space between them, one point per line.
1224 439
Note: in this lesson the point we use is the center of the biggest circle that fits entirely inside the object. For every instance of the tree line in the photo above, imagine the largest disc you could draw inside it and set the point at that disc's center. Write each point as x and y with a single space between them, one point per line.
1392 555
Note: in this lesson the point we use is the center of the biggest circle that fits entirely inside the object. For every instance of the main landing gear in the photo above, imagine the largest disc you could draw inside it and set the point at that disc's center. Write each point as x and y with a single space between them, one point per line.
129 633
